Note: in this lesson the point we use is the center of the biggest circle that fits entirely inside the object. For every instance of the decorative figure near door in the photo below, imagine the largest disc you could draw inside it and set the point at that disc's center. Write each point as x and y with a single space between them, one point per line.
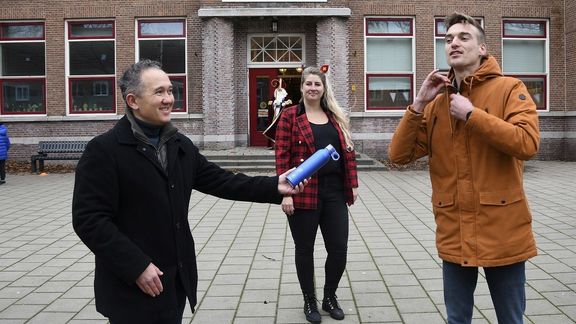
277 105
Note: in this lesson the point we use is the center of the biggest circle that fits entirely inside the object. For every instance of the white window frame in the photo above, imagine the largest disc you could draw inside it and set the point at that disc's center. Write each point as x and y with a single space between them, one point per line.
95 77
180 76
275 63
410 74
546 74
41 78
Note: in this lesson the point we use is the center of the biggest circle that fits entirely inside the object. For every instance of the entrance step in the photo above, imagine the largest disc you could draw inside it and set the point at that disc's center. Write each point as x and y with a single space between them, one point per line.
262 160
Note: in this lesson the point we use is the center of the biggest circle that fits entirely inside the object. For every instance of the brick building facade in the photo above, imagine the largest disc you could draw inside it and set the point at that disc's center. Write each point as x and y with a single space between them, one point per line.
227 57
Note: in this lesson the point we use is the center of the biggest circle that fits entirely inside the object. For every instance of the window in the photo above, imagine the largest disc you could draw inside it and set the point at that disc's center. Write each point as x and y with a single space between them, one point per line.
274 49
165 41
525 55
22 68
389 63
440 62
91 67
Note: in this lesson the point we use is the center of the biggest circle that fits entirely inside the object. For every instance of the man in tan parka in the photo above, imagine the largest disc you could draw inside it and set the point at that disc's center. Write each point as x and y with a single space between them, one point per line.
476 126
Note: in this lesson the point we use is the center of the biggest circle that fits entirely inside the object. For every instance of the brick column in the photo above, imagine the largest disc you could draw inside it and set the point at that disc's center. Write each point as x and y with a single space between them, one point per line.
332 42
218 86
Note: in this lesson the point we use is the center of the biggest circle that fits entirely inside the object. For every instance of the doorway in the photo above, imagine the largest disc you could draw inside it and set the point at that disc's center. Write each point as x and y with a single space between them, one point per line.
262 84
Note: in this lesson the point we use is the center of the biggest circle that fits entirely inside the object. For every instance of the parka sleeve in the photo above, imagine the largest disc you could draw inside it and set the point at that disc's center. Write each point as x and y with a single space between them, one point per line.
517 132
409 142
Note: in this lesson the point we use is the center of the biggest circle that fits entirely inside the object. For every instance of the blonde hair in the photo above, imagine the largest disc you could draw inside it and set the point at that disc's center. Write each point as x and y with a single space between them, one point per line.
328 102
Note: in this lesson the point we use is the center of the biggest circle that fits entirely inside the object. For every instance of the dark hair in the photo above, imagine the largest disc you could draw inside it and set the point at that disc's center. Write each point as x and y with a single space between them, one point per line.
460 18
131 81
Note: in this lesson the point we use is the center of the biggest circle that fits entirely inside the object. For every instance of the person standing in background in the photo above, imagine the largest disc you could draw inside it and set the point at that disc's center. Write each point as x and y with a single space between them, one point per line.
302 130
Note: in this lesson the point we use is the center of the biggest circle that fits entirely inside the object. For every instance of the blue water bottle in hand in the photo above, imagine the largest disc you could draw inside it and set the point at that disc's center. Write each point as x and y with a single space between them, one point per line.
312 164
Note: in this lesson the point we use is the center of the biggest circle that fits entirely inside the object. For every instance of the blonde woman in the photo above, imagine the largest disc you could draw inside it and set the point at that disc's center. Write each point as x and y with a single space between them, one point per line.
314 123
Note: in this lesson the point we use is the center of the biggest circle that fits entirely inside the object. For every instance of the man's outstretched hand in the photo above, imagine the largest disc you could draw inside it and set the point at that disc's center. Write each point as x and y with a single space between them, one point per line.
284 187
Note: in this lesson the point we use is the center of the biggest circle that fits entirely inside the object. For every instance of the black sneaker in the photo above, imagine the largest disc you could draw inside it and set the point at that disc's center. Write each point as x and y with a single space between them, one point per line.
330 304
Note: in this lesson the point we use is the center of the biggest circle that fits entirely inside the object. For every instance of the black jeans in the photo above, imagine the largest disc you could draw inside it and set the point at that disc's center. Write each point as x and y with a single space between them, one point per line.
332 217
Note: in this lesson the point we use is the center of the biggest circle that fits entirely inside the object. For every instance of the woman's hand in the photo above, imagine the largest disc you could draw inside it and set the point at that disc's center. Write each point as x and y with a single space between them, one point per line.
354 195
288 205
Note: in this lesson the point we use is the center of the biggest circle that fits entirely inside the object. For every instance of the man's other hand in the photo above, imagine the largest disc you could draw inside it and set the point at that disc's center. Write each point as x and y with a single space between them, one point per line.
149 281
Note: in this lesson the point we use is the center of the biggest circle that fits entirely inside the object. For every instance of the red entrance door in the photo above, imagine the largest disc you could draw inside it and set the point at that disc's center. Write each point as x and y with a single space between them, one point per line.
262 84
261 91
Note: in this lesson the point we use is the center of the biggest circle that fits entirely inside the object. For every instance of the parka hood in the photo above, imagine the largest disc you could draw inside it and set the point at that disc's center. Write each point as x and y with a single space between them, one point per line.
487 70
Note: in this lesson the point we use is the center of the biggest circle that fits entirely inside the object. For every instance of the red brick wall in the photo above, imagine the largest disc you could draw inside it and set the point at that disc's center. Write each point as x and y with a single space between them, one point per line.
562 36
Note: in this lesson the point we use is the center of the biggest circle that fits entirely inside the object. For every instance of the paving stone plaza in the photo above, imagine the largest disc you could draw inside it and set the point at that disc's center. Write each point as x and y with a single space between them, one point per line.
246 255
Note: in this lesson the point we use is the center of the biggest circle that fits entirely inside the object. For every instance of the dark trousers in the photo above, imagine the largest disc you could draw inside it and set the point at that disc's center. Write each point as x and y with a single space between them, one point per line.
2 169
332 217
506 286
168 316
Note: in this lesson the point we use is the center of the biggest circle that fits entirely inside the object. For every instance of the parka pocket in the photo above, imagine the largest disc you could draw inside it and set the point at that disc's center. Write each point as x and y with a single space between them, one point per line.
442 199
501 198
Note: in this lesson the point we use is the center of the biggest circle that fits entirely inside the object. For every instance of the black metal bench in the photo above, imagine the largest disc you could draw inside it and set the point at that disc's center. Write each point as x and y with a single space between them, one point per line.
56 150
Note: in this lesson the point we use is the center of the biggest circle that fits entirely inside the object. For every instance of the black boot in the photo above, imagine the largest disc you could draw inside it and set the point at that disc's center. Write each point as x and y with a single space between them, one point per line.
311 309
330 304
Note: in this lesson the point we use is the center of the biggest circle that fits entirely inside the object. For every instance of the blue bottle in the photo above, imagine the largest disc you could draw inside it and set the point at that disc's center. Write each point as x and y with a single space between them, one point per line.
312 164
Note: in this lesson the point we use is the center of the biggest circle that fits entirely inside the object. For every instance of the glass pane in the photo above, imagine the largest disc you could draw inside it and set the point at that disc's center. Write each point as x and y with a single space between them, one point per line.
91 29
440 27
536 88
90 58
22 59
389 92
179 97
441 62
92 95
171 53
161 28
525 28
389 27
18 31
389 55
521 56
262 98
23 96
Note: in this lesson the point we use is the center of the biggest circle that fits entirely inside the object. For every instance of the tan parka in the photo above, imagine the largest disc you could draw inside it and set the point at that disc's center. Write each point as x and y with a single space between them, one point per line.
476 169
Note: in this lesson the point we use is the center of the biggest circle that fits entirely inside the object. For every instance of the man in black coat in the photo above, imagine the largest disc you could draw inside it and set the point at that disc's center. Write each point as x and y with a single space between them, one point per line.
130 205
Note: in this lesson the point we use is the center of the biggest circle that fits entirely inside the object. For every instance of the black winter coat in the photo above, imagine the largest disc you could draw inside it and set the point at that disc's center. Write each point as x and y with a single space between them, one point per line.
131 212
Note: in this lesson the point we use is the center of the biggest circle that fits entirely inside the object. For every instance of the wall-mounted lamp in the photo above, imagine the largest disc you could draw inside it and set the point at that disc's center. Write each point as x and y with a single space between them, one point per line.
274 26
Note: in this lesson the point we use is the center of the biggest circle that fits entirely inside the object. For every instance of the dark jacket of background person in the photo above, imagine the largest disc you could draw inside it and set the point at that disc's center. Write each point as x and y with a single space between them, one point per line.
130 212
4 142
476 168
295 143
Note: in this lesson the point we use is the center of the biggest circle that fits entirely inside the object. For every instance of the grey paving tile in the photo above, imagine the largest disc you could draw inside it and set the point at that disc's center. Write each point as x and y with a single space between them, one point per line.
246 256
52 318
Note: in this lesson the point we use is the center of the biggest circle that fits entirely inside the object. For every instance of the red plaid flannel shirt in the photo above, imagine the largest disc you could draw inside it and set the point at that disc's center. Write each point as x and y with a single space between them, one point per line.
295 143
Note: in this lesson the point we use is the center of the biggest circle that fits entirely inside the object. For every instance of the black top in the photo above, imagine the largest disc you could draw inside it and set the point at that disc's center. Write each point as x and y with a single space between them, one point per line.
325 134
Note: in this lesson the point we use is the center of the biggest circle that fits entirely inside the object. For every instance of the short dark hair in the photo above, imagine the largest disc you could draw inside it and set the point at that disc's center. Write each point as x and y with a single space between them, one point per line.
131 81
460 18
